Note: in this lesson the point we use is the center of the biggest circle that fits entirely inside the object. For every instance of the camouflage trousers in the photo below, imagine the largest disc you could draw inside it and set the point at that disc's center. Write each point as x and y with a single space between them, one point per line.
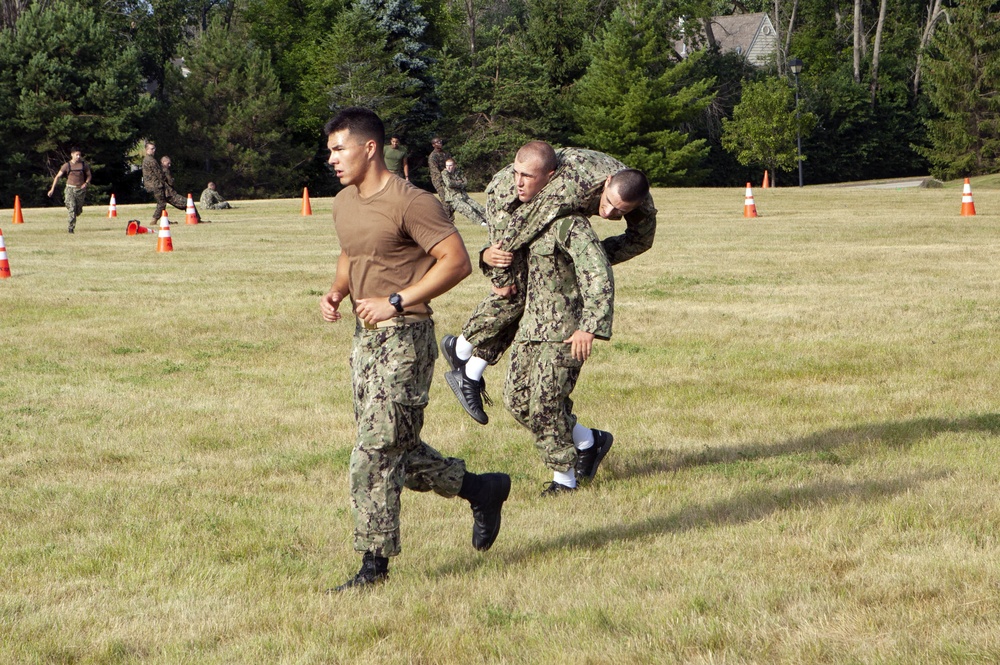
493 325
465 206
391 371
541 378
74 198
163 197
448 209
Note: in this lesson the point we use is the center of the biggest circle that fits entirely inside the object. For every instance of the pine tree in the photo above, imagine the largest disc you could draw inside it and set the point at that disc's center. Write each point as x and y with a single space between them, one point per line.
66 80
634 99
962 79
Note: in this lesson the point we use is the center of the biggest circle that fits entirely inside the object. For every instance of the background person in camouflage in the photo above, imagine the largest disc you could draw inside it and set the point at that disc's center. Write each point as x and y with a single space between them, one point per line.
398 251
585 182
155 181
454 187
78 176
435 165
569 302
397 158
212 200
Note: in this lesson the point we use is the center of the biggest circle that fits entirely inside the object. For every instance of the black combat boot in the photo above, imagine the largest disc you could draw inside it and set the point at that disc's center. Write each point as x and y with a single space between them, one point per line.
486 493
471 394
588 460
374 569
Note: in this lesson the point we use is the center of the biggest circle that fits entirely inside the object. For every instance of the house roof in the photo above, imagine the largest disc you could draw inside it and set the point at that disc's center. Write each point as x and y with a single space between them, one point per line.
738 31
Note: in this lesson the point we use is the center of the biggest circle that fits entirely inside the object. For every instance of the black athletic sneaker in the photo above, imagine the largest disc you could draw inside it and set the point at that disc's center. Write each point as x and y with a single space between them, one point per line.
554 488
374 570
486 513
588 460
448 351
470 394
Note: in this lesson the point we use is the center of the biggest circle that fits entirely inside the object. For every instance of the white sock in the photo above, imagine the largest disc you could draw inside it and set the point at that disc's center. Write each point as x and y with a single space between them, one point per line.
568 479
475 367
583 437
462 348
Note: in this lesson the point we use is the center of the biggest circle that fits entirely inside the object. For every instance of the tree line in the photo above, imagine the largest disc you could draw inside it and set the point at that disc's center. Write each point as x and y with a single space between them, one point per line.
236 91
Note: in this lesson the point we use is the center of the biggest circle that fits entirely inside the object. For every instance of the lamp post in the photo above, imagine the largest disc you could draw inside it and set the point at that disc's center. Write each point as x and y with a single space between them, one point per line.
796 66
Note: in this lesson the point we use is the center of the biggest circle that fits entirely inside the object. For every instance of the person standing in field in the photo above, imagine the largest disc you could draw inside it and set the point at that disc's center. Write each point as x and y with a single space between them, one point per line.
399 250
435 165
78 177
160 185
397 158
585 182
454 187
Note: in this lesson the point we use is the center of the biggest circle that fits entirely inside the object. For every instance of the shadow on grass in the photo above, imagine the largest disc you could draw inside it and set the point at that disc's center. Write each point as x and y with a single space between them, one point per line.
747 507
900 434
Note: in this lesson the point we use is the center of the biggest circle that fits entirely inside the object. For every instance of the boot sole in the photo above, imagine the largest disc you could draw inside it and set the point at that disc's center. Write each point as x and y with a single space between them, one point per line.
506 493
600 456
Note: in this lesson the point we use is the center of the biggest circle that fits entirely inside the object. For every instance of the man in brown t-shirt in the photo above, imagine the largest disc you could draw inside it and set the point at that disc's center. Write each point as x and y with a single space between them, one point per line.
398 251
78 176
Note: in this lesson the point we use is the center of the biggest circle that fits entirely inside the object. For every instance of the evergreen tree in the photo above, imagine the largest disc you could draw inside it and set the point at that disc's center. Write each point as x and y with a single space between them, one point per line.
764 127
230 117
66 80
634 98
962 79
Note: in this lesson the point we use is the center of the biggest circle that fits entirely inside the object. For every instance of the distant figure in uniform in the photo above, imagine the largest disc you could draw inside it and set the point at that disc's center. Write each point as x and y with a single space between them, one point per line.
454 189
397 158
78 176
435 165
160 185
212 200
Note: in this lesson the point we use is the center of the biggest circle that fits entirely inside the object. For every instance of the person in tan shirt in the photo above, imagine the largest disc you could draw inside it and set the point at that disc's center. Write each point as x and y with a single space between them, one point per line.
78 176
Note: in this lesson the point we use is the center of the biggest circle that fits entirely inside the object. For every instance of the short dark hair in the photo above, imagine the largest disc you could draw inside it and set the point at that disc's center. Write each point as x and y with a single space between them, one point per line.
75 149
631 184
360 122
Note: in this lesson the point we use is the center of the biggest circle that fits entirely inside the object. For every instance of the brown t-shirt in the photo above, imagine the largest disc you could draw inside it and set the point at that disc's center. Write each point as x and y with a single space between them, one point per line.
387 238
76 174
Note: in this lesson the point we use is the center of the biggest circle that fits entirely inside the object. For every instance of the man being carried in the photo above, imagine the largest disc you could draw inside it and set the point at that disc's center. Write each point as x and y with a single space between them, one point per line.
454 188
569 298
585 182
160 185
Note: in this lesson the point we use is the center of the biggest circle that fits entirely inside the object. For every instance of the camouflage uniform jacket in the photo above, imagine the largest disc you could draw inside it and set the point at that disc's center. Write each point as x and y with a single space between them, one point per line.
435 165
152 174
454 182
576 187
569 286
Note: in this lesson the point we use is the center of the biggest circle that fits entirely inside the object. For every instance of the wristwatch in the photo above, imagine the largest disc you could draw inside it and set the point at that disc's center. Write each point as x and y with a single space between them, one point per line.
396 301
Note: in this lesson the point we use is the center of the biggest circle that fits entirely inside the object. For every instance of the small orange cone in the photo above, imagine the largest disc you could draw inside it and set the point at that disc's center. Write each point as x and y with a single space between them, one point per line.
749 207
18 217
164 243
767 183
112 207
192 216
306 208
4 265
134 228
968 207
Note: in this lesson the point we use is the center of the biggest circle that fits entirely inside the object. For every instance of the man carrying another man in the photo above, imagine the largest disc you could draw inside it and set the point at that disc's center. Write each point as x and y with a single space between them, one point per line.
159 184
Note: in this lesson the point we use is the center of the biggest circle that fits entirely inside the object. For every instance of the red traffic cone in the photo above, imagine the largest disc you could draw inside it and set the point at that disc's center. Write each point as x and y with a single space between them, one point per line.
18 217
192 216
749 207
112 207
306 208
164 243
767 183
4 265
968 207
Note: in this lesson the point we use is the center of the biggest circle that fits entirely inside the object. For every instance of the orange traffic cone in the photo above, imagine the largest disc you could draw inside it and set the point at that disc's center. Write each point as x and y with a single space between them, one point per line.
767 183
749 207
164 243
134 228
968 207
18 217
112 207
306 208
192 216
4 265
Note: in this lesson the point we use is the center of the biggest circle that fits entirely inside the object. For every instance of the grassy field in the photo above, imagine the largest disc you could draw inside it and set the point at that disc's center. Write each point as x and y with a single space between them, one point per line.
805 408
